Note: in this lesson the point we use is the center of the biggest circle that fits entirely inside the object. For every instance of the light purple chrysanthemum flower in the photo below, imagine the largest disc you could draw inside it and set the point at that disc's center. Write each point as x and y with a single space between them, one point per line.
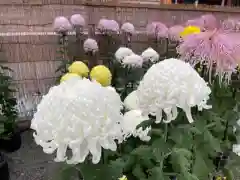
217 50
61 25
174 32
205 22
128 28
77 20
108 26
157 29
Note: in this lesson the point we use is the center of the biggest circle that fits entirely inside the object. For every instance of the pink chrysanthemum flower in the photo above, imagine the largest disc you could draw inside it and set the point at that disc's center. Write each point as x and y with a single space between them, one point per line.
231 25
61 25
174 32
128 28
77 20
108 26
157 29
205 22
217 50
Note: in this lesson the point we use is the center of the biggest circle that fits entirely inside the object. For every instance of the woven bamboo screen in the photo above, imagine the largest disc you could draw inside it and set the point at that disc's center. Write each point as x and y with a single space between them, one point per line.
32 54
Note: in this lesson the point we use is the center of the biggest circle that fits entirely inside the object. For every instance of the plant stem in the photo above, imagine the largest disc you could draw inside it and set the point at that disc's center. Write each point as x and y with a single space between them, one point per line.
165 132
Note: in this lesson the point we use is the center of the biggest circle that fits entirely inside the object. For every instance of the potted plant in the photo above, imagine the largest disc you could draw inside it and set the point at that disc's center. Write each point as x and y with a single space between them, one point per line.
10 139
3 167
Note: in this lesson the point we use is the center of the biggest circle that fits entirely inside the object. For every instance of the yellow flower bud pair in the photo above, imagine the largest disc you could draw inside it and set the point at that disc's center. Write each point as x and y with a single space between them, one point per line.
99 73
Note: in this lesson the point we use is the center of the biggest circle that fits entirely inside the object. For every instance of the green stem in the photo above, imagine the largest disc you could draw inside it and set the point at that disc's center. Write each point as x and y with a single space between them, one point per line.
165 132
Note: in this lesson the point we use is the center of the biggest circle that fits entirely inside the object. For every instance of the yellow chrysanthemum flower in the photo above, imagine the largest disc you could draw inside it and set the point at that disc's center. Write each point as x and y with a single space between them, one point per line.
80 68
123 178
101 74
68 76
190 30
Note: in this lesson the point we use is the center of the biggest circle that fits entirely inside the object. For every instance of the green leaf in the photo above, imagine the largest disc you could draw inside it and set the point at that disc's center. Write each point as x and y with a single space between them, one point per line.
142 151
157 173
213 142
181 160
138 172
233 162
187 176
99 171
131 161
202 168
160 148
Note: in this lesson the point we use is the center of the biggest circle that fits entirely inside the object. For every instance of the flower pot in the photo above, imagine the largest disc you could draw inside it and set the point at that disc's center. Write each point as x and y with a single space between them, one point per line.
12 143
4 172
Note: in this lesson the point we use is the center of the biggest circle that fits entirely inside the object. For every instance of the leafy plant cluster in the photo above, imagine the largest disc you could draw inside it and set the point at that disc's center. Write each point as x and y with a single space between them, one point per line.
8 111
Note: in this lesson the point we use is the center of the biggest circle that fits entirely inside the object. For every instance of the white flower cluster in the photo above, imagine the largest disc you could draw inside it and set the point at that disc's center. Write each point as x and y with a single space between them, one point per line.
172 84
150 55
90 45
80 115
128 58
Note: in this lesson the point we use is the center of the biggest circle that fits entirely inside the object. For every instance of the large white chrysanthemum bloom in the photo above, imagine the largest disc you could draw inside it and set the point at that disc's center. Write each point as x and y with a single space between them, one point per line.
236 149
90 45
133 60
131 101
131 120
81 115
169 84
122 52
150 55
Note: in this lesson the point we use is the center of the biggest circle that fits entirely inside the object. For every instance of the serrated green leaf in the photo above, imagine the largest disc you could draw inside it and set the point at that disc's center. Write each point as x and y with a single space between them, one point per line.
213 142
201 168
138 172
181 160
131 161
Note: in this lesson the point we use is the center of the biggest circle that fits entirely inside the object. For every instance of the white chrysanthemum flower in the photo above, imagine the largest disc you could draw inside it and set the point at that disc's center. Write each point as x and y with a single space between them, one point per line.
236 149
150 55
131 101
170 84
81 115
77 20
133 60
61 25
128 28
131 120
90 45
122 52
